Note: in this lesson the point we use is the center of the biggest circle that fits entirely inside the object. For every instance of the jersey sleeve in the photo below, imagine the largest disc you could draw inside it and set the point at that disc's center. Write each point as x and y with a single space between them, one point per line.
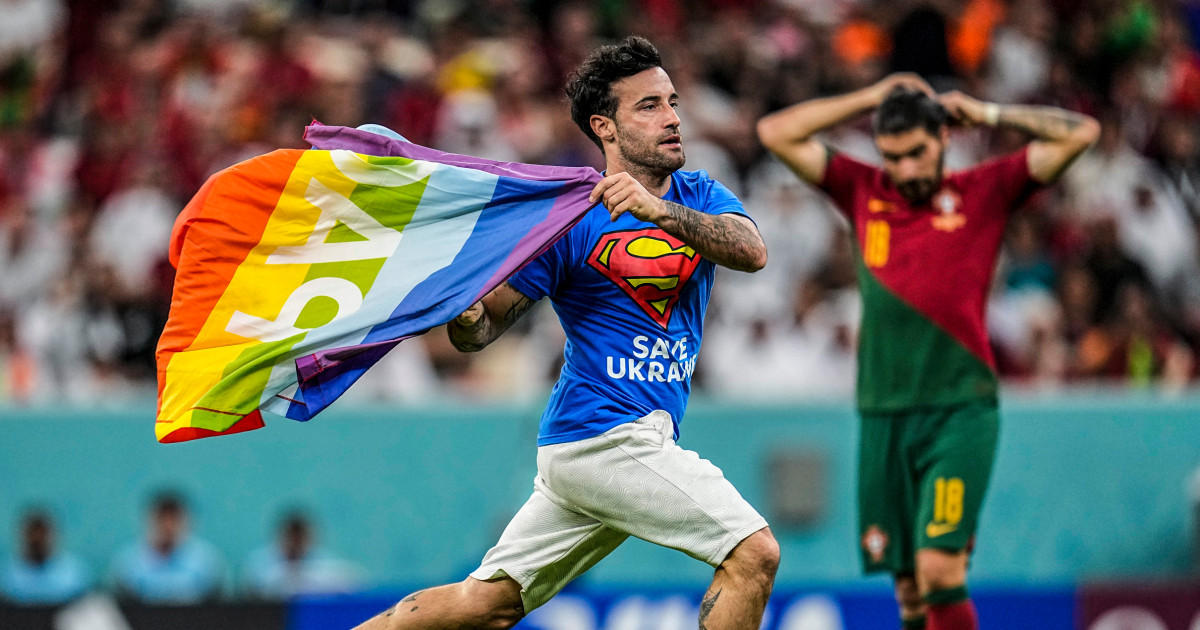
843 176
545 274
1007 179
721 200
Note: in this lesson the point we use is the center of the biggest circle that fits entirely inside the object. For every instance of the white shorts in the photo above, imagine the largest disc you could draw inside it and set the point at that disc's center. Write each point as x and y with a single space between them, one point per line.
590 495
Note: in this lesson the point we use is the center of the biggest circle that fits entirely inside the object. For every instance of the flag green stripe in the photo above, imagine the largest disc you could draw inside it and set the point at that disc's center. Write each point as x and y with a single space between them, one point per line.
242 383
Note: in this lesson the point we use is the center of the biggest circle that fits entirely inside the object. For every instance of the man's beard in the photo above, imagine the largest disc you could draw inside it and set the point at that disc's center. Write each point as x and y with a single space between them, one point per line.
646 154
920 190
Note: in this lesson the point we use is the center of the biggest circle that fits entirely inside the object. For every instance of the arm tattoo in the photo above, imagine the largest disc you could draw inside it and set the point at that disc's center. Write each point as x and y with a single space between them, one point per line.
1044 123
723 240
706 607
476 337
470 338
519 308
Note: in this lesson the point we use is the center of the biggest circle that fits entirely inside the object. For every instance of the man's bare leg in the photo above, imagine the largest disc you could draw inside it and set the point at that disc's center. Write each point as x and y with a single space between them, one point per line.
942 579
742 585
908 597
469 605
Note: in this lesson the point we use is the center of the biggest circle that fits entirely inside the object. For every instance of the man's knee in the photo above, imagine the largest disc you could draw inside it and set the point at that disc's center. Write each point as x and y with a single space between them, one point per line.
497 602
939 569
758 555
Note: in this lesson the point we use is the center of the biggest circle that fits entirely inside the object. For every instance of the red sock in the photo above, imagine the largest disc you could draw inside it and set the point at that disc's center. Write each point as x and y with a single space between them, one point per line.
957 614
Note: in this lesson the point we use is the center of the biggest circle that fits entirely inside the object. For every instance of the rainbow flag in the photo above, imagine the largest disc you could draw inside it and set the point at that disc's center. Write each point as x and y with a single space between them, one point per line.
299 269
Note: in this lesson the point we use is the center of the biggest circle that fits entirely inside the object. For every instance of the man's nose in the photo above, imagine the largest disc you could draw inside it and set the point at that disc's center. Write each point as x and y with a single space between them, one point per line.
907 169
672 119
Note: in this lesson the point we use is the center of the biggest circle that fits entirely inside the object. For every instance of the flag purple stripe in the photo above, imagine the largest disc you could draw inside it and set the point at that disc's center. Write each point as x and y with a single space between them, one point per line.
328 138
533 244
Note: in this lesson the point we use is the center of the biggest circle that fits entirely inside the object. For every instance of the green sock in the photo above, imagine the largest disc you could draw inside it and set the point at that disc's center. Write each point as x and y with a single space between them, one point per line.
913 623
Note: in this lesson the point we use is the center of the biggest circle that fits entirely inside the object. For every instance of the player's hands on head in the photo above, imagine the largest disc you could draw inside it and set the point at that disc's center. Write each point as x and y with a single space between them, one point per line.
908 80
621 193
471 316
963 109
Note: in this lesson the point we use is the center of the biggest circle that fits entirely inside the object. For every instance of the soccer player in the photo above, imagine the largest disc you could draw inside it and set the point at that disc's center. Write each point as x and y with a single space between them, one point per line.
630 284
927 242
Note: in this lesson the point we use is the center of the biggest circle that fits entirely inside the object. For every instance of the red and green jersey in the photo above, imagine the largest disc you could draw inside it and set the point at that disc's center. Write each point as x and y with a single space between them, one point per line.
924 272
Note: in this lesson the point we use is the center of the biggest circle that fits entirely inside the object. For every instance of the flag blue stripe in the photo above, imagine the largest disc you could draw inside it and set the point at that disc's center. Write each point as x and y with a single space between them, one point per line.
448 291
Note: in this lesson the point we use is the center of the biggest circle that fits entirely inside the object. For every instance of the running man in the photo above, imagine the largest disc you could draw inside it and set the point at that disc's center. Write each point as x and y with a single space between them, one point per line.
630 284
927 242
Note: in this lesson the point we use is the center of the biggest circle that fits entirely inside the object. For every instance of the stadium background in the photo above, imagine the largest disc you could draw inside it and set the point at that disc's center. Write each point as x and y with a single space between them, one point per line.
113 113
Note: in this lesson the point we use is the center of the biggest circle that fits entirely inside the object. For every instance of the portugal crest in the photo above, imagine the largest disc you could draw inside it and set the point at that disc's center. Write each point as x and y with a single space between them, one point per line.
649 265
875 543
948 218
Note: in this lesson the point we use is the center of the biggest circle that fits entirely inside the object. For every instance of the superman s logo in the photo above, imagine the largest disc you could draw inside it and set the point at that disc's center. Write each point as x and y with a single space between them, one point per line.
649 265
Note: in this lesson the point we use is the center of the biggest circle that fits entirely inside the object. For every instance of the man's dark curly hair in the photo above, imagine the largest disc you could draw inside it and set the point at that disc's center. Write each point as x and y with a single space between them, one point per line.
906 109
590 86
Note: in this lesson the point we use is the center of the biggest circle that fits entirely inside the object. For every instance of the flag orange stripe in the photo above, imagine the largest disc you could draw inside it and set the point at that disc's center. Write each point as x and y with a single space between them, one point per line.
194 293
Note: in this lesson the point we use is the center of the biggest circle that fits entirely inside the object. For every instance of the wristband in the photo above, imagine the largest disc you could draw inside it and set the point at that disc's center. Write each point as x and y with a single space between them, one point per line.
991 114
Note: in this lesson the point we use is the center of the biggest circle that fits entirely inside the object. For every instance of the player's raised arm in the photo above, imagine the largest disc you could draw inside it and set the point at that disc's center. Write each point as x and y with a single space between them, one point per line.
1060 135
488 318
730 240
788 133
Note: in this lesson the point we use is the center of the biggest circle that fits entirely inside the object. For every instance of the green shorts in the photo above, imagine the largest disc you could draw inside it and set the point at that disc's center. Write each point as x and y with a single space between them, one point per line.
922 476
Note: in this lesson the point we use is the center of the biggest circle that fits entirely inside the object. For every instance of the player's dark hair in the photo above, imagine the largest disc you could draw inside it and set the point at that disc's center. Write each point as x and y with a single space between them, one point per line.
295 520
906 109
167 502
589 87
36 518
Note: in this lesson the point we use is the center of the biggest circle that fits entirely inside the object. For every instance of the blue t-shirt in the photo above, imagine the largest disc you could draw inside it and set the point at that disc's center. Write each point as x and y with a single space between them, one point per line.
61 579
631 299
190 573
271 575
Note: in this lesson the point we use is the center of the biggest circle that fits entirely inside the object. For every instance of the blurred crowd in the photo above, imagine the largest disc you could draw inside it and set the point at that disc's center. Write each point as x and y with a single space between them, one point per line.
112 114
170 564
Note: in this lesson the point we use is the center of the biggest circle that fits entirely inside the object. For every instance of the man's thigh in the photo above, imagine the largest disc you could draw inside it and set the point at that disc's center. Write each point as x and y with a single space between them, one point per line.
545 546
958 454
886 494
636 479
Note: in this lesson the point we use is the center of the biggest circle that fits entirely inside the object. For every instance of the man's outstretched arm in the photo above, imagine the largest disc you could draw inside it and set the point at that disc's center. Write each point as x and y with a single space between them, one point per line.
788 133
1059 135
488 318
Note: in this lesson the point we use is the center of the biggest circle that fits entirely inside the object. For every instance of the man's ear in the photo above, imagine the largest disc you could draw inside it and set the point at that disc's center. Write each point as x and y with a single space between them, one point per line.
604 127
944 135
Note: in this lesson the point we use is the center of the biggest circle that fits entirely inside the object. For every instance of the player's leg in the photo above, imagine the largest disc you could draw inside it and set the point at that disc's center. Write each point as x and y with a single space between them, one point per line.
472 603
886 506
545 546
908 598
942 580
742 584
635 479
958 464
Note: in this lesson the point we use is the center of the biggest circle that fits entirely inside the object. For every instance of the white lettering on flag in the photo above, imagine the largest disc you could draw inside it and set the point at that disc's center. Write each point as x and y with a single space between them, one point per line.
381 241
347 295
